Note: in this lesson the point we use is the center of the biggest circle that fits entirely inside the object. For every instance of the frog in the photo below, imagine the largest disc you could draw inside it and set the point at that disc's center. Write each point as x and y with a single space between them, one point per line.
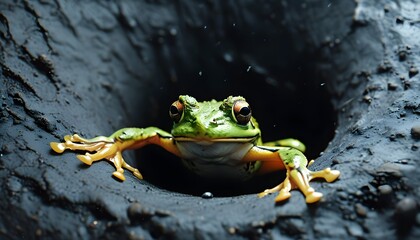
213 139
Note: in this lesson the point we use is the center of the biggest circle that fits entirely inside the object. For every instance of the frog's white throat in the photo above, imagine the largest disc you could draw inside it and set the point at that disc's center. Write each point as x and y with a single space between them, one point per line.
215 158
216 152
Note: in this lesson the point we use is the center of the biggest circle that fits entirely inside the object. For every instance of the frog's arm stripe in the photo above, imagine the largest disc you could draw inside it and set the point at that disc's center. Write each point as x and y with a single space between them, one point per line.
230 139
268 148
162 136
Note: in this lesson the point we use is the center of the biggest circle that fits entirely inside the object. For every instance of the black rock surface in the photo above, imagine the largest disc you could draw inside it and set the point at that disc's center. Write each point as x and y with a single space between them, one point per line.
342 76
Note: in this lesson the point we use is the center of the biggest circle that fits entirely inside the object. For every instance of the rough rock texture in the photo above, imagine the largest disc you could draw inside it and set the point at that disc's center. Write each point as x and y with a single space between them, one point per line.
345 71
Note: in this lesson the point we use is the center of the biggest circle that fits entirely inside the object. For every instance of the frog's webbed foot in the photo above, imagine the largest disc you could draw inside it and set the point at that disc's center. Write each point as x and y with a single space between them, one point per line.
298 177
97 148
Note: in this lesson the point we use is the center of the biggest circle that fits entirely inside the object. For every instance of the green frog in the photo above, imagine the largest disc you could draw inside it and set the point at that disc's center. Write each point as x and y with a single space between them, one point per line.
215 140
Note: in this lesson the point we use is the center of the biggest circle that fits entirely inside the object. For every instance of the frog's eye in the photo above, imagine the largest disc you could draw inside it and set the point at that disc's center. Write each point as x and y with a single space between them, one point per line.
176 110
242 112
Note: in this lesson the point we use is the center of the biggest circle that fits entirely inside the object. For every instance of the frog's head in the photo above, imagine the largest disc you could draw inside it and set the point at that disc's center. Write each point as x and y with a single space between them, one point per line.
229 120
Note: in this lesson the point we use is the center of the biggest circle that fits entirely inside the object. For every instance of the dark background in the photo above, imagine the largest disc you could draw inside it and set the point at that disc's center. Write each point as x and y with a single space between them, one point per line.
341 76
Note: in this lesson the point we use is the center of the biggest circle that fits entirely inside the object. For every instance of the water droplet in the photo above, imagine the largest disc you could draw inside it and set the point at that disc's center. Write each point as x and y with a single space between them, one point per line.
322 84
173 31
248 69
200 73
228 57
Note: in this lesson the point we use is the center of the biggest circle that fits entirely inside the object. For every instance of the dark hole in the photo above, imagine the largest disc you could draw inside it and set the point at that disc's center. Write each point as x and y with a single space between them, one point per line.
288 99
305 114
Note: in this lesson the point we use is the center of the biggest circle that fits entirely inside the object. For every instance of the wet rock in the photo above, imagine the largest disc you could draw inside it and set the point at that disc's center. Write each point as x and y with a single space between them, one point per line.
405 213
415 132
384 67
355 230
14 185
385 190
306 84
390 169
343 195
361 210
385 195
136 212
139 213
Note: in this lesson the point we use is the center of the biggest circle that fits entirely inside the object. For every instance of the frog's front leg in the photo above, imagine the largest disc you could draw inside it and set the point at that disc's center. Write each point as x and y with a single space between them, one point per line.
110 148
297 174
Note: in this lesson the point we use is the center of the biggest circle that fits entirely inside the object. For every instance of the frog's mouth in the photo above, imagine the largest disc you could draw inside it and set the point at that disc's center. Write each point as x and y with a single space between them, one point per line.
206 139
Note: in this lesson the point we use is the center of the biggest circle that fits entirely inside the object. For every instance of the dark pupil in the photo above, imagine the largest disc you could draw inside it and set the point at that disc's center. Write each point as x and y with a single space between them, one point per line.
174 110
244 111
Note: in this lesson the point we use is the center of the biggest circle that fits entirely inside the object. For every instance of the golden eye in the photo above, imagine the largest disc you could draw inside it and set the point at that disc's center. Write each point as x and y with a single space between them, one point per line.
176 110
242 112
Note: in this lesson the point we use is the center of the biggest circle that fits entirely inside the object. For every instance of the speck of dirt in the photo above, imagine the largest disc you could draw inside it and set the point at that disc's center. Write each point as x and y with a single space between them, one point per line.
399 20
392 86
367 99
412 72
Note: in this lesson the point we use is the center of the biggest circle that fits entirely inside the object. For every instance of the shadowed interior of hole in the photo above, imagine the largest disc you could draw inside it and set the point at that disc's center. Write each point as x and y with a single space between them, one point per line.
298 106
258 60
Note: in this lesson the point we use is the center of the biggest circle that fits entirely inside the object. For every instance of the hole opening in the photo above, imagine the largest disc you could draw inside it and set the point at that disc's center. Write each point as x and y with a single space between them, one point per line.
297 108
279 82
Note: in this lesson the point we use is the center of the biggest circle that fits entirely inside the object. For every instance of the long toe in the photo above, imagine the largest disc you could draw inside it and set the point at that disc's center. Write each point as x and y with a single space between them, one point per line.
119 175
313 197
137 174
332 176
67 138
85 159
58 147
263 194
282 196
